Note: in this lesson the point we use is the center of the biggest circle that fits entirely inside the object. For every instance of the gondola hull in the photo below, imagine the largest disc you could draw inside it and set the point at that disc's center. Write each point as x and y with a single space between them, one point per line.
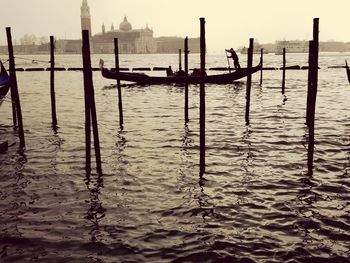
4 82
144 79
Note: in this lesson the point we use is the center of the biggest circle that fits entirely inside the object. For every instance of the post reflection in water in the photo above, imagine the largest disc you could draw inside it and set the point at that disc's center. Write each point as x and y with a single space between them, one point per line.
250 155
18 206
120 147
57 142
96 211
305 210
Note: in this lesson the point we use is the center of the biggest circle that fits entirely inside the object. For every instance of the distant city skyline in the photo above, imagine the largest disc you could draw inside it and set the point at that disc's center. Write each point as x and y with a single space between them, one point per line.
228 23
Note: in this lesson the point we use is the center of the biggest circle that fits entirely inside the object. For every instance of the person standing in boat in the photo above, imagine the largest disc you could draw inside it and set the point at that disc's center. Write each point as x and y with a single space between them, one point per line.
169 71
234 58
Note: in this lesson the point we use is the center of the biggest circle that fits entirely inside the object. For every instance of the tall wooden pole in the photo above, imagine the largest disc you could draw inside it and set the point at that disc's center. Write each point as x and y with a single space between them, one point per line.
186 80
90 107
87 100
309 84
14 89
314 84
120 101
180 62
52 82
249 79
202 98
262 65
284 71
13 101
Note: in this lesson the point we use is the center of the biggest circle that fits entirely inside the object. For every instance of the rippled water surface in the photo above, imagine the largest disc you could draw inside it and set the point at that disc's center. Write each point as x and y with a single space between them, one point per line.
255 203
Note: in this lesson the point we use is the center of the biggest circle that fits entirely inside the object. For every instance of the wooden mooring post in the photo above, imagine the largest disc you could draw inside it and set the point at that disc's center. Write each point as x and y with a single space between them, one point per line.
309 84
52 82
249 78
90 107
262 65
186 80
284 71
180 60
202 99
313 88
16 105
120 101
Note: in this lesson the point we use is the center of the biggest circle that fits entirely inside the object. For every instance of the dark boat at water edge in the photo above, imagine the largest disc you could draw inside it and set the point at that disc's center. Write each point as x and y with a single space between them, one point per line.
4 82
144 79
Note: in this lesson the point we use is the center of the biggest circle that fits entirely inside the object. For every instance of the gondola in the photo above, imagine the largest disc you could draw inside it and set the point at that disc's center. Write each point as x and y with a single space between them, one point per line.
347 70
144 79
4 82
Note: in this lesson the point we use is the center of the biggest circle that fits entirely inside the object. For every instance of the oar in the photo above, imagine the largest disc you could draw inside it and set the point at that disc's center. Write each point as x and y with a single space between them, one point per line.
228 61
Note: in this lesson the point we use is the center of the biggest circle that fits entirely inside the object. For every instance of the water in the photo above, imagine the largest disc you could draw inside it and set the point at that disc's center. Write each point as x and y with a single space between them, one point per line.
255 203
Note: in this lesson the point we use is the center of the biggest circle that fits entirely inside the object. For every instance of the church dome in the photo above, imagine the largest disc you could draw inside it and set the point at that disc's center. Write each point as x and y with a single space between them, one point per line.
125 25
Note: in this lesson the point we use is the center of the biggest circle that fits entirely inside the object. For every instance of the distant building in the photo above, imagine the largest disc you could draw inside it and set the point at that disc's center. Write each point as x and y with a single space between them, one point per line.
173 44
292 46
140 41
130 40
85 17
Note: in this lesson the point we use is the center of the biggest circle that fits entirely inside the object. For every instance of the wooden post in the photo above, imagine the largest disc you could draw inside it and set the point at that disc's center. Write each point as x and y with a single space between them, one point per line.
120 102
314 84
90 107
249 79
14 89
284 71
186 80
202 98
309 84
52 82
180 64
262 65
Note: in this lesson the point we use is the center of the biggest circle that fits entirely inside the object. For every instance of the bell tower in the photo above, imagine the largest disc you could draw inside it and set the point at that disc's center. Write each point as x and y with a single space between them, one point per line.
85 17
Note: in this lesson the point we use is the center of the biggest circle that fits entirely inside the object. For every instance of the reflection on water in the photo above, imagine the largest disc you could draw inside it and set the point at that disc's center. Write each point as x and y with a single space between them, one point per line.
255 203
96 210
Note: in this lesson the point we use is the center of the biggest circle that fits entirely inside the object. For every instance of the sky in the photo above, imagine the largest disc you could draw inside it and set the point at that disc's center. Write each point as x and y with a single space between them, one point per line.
229 23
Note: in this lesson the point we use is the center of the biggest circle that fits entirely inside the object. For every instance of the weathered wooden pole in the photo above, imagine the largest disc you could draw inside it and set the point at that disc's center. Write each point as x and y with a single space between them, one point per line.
90 107
14 89
202 98
52 82
284 71
309 84
262 65
13 101
314 84
186 80
180 62
120 101
249 79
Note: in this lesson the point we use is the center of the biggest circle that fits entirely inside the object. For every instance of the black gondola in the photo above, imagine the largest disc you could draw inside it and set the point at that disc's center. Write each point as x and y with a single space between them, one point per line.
144 79
4 82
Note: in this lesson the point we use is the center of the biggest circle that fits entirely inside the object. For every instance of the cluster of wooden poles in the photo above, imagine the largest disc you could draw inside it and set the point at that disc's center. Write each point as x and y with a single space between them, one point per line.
89 97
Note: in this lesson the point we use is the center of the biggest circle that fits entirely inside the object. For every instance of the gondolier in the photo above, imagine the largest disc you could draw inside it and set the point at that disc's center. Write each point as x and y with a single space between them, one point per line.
234 57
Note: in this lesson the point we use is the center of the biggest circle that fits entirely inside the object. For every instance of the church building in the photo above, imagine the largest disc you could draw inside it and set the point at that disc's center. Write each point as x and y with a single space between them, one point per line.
130 40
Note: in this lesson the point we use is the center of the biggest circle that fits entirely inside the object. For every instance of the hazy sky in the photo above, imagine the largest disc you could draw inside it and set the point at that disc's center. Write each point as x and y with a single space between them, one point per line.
228 22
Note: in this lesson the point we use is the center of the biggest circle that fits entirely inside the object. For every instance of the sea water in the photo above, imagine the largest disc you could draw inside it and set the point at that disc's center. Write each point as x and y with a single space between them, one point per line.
255 202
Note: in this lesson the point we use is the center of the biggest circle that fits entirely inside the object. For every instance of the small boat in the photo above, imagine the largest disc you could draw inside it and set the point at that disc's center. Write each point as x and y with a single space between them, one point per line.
347 70
4 82
144 79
